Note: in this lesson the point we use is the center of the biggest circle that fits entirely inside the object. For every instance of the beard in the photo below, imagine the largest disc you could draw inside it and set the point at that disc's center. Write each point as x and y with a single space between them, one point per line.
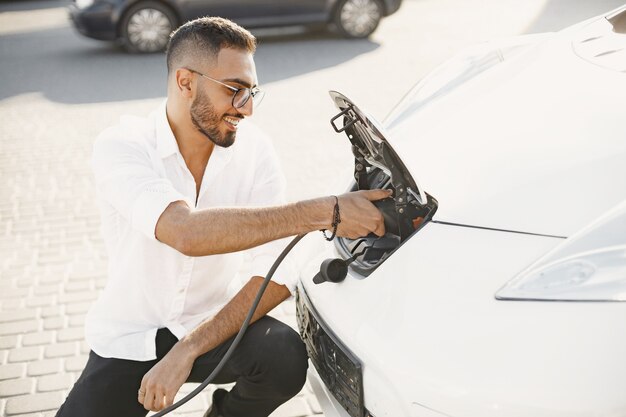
206 120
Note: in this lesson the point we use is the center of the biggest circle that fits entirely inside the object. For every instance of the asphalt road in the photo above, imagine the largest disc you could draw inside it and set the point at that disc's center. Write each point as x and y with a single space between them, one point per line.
44 60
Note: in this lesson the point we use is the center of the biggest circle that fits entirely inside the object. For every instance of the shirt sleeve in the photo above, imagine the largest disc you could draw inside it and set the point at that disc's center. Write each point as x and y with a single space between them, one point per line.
269 190
127 180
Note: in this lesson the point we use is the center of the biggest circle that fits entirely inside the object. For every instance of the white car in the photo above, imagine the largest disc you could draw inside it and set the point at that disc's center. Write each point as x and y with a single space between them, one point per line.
499 287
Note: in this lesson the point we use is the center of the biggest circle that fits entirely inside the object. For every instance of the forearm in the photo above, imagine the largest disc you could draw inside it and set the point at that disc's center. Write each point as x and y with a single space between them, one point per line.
161 383
211 333
223 230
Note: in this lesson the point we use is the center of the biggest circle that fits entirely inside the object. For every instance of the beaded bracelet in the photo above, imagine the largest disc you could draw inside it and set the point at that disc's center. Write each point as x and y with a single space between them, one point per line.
336 221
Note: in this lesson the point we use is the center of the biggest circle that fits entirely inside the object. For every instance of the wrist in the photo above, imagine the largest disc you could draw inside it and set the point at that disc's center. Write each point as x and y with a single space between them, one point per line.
335 223
187 348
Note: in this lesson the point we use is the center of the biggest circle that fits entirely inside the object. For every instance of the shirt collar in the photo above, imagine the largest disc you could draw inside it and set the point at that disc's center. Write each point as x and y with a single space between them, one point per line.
165 141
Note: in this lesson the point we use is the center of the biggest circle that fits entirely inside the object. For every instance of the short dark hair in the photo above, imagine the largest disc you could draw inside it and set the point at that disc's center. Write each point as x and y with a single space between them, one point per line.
205 37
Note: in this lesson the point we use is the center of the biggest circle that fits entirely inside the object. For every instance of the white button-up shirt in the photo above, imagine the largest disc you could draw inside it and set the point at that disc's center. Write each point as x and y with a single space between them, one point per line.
139 171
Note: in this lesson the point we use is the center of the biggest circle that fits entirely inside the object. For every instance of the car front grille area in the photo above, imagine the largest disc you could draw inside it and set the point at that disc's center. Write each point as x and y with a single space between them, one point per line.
338 368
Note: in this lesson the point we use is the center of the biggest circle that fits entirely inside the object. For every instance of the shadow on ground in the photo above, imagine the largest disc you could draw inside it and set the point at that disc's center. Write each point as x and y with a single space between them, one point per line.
68 68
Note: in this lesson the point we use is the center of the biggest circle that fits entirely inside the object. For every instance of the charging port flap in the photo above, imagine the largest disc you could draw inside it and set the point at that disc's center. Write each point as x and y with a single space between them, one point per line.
377 165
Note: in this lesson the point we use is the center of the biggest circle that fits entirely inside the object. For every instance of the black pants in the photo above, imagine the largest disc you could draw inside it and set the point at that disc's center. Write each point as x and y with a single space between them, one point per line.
269 367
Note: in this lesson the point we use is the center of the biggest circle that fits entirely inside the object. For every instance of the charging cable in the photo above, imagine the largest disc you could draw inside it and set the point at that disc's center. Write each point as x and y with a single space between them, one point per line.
242 330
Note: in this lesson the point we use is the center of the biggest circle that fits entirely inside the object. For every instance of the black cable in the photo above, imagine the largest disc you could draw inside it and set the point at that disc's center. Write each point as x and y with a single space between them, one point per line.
356 246
242 330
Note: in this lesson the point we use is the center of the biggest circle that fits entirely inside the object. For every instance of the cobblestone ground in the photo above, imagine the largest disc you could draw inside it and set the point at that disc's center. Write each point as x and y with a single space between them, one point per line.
52 259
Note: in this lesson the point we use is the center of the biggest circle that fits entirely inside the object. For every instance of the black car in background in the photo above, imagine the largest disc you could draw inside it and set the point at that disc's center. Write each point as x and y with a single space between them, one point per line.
145 25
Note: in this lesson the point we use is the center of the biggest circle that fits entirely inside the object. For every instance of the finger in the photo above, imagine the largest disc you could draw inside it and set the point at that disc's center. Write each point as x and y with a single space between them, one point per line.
147 402
380 230
141 395
377 194
158 403
169 399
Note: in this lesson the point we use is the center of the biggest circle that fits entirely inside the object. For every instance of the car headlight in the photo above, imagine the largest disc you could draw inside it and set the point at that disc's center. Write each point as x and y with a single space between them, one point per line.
589 266
84 3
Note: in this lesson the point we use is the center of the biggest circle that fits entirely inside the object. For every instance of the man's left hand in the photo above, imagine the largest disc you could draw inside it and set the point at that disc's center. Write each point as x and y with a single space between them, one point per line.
161 383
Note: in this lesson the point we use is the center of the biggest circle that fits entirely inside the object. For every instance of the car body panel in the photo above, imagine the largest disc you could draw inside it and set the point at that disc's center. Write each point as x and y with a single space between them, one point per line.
252 12
525 153
91 20
471 355
97 22
537 144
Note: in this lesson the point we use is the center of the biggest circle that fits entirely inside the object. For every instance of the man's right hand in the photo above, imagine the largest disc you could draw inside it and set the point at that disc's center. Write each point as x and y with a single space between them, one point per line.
359 216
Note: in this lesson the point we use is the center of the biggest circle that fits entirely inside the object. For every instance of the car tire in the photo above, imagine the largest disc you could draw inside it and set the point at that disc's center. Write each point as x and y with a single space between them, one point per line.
146 27
357 18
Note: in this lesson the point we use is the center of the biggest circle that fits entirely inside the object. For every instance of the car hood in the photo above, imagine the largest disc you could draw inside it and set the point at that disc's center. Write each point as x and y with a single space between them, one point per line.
536 144
431 336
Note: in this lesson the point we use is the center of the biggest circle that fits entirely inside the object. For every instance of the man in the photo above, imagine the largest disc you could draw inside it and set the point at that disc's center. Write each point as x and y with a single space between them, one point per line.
178 202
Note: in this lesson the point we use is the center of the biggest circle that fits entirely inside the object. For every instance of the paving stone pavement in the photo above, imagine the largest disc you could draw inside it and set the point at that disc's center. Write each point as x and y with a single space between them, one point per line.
52 258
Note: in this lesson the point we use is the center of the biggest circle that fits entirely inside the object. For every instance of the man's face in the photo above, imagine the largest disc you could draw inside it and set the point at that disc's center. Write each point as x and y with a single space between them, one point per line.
212 112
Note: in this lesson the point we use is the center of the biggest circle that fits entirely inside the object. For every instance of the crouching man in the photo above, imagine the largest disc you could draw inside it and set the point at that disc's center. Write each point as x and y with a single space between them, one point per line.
181 192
